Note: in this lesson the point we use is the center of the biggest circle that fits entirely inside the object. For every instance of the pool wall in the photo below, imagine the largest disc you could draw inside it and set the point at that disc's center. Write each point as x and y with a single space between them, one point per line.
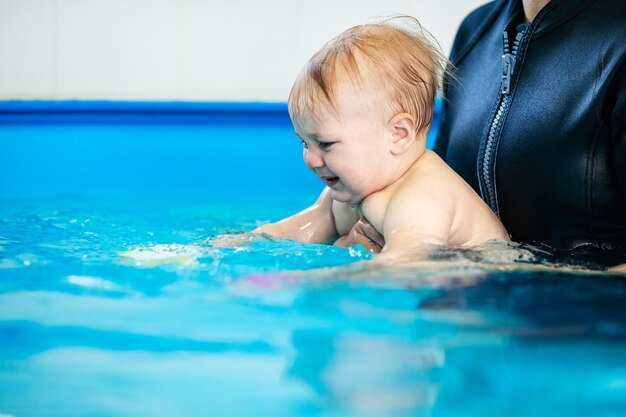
112 148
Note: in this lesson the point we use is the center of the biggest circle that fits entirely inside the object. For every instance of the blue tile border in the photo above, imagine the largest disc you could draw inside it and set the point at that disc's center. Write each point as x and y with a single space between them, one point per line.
78 111
155 112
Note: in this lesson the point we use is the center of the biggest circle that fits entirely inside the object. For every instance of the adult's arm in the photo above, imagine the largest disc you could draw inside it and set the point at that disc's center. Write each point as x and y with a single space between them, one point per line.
619 130
315 224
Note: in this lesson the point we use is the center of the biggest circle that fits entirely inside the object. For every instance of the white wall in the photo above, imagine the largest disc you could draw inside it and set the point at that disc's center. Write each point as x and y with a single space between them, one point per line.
182 49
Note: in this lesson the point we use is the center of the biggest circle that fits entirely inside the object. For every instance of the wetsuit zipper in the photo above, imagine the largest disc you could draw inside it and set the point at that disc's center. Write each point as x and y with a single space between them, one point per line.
486 169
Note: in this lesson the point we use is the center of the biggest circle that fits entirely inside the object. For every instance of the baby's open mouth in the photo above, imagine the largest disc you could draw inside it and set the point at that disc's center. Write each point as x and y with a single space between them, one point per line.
331 181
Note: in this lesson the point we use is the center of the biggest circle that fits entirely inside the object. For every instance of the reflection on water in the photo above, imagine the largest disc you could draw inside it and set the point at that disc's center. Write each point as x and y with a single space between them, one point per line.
131 311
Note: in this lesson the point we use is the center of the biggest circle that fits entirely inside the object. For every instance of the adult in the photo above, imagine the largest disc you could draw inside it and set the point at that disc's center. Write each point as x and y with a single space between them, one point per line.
534 119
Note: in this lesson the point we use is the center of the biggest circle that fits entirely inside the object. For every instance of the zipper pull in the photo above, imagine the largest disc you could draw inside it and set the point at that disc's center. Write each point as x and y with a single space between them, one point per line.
508 60
508 65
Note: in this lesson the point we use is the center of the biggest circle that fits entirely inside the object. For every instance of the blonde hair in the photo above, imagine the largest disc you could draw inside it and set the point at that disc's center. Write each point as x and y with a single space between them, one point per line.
405 62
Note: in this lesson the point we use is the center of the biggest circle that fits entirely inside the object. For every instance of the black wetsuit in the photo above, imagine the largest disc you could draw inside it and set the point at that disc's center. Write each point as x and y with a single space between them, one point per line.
545 143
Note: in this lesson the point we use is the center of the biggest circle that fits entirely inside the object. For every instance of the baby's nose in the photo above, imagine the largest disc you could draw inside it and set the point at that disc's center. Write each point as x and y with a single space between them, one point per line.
313 159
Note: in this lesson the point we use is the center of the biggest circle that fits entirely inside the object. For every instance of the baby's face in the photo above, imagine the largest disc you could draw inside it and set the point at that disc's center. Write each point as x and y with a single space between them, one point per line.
348 151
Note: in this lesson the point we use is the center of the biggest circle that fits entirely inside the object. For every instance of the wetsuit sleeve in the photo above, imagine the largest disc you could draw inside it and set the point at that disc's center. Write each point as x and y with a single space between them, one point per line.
619 132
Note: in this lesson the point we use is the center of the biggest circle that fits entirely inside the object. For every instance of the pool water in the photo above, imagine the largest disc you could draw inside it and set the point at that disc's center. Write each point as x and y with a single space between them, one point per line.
112 307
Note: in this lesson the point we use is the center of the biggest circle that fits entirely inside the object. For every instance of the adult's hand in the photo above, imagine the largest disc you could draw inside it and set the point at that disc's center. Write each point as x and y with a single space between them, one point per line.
619 269
363 233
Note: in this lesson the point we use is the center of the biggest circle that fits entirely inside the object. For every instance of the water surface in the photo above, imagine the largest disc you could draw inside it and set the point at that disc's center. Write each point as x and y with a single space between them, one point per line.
113 308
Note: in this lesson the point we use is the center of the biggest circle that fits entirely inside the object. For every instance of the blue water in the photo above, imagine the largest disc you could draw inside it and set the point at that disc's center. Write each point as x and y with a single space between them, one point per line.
128 308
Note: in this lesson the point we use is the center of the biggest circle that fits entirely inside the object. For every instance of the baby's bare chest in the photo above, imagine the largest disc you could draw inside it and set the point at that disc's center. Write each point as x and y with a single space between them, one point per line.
371 209
345 217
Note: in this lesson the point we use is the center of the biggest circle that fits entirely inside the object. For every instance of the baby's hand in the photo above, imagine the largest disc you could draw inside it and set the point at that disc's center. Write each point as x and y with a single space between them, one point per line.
363 233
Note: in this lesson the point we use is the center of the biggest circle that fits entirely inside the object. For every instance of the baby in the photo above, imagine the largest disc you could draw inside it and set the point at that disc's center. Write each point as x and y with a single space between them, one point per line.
362 107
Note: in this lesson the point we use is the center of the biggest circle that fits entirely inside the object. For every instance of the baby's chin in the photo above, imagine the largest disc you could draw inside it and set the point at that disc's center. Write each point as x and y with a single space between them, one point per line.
346 198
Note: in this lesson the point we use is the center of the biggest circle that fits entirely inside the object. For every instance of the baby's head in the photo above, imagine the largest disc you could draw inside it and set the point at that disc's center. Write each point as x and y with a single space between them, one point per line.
397 68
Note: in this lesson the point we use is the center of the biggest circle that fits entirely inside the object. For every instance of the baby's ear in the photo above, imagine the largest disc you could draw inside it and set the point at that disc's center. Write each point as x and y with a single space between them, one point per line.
403 131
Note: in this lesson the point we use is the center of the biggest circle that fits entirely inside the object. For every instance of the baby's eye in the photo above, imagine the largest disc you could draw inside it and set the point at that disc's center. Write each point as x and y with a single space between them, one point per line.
325 146
304 144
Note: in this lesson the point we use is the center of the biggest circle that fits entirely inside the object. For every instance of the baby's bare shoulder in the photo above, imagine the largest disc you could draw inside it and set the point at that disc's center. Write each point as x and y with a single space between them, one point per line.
431 182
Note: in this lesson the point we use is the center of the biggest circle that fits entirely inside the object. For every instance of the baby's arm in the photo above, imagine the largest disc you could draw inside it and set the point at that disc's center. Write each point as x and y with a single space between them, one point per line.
414 223
362 233
315 224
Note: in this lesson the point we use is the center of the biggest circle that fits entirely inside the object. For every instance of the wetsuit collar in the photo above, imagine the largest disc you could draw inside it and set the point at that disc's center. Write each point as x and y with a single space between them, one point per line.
550 17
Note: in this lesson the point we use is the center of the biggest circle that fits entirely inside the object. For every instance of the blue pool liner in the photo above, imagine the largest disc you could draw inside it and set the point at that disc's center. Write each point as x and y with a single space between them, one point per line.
50 148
